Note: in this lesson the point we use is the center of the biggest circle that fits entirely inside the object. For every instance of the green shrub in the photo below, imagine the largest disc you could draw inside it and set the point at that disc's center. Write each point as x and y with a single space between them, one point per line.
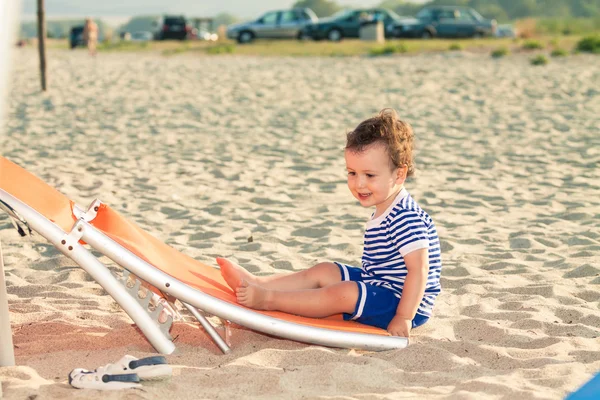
589 44
388 49
567 26
221 49
455 46
500 52
532 45
559 53
540 59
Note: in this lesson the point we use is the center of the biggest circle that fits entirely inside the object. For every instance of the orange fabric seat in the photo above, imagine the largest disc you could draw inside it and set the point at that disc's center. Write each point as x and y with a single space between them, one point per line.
58 208
37 194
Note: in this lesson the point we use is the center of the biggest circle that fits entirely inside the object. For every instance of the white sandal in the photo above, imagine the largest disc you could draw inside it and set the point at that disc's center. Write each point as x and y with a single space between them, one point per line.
149 368
123 374
99 379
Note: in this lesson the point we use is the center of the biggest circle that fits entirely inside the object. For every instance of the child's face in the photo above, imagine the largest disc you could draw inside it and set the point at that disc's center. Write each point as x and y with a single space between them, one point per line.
370 178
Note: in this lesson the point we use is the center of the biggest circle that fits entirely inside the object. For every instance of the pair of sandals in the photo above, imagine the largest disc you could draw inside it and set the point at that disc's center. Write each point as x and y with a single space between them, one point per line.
124 374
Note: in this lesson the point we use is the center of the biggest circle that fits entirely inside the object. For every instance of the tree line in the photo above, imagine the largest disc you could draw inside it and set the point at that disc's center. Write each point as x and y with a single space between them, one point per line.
501 10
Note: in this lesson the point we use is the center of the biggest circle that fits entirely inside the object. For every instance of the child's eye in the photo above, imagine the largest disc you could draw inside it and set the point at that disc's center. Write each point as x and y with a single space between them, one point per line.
370 175
350 173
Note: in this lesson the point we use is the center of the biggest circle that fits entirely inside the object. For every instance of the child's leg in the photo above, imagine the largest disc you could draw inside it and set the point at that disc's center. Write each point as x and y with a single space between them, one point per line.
320 275
317 303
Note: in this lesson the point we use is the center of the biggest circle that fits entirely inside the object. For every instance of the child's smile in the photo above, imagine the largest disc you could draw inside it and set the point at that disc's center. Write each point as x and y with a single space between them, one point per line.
371 179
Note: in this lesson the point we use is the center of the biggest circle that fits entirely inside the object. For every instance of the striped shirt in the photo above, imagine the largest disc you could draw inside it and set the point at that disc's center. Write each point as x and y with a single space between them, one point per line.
404 227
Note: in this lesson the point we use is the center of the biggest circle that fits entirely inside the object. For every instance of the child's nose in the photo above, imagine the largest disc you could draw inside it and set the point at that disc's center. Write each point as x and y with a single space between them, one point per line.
362 181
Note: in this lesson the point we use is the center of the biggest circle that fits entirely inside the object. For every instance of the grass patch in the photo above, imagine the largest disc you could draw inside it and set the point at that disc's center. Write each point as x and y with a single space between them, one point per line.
345 48
589 44
123 46
533 45
500 52
455 47
177 50
559 53
221 49
539 60
388 49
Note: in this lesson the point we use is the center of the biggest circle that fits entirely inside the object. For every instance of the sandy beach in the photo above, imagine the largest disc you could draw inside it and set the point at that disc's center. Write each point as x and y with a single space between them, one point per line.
242 157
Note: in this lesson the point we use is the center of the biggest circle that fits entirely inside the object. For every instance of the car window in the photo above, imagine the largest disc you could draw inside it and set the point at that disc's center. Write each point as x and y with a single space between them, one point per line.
269 18
379 15
424 14
174 21
366 16
288 16
447 14
464 16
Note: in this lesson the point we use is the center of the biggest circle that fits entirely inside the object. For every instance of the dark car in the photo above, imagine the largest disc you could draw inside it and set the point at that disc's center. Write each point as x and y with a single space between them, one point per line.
174 27
76 37
445 22
347 24
278 24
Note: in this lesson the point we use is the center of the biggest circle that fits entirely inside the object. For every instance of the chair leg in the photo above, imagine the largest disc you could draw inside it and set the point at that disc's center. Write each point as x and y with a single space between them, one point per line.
209 329
134 309
155 314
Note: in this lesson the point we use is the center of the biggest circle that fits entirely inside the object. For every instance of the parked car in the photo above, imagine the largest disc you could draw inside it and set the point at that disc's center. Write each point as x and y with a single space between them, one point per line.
446 22
279 24
141 36
347 23
76 37
174 27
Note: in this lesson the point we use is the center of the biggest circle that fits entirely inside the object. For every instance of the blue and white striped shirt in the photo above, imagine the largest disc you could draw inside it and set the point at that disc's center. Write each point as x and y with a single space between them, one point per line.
404 227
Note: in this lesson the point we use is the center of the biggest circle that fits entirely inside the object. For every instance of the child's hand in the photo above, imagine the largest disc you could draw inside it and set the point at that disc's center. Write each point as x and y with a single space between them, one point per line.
399 326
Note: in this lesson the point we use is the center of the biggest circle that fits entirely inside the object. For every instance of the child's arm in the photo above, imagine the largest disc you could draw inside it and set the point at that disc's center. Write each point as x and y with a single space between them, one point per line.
417 264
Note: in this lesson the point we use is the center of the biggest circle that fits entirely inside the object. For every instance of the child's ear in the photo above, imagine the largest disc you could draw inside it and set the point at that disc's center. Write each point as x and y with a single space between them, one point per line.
401 174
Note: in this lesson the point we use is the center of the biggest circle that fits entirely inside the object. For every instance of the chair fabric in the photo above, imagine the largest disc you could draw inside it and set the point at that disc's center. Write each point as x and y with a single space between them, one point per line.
58 208
37 194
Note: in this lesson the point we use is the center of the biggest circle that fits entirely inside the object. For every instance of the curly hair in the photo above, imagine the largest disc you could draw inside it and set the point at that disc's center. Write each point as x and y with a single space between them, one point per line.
386 128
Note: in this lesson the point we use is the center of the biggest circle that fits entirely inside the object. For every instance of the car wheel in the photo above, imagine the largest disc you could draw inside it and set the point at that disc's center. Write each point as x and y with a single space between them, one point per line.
426 35
335 35
245 37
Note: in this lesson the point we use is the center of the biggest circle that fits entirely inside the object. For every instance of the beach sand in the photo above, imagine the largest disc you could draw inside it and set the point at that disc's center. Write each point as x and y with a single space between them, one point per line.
242 157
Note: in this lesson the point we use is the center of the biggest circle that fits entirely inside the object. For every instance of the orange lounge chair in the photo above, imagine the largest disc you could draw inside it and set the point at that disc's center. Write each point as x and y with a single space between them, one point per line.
167 273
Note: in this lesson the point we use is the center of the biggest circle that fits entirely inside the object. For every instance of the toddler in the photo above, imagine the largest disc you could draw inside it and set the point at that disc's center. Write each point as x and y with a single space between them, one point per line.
396 286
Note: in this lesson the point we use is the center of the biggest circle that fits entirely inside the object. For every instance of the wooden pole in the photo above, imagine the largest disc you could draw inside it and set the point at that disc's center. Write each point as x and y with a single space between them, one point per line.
42 41
8 23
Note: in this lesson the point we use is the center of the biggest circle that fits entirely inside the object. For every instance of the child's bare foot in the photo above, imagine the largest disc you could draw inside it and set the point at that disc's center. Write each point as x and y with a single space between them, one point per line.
234 274
254 296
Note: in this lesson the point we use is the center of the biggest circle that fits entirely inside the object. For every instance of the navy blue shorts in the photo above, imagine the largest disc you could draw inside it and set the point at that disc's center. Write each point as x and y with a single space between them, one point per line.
376 305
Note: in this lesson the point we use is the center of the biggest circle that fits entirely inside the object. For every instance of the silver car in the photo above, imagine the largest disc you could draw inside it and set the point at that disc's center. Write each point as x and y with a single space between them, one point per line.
279 24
